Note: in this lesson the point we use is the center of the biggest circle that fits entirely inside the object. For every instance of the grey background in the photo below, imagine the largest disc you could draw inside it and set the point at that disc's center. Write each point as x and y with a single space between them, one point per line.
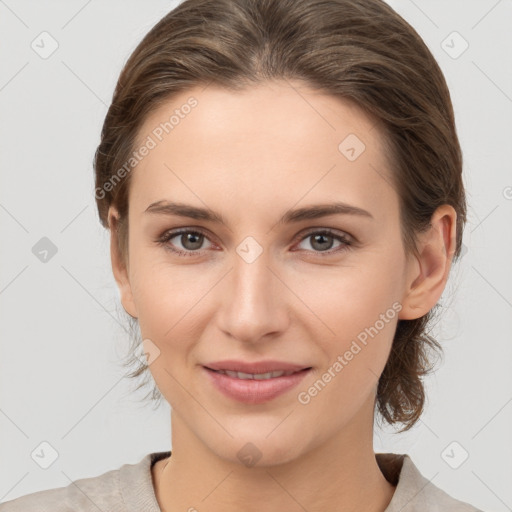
61 322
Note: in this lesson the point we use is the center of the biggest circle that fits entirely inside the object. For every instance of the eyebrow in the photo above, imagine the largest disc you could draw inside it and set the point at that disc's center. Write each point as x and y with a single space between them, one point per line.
165 207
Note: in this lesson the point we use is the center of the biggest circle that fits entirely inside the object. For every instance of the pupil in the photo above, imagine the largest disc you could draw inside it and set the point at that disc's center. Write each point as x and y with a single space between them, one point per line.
316 237
189 238
196 239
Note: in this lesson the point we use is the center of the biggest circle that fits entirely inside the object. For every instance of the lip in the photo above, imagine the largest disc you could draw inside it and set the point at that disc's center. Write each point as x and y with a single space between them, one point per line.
255 367
252 391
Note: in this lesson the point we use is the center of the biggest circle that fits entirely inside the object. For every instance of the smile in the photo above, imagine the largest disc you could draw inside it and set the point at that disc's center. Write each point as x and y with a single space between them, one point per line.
254 388
255 376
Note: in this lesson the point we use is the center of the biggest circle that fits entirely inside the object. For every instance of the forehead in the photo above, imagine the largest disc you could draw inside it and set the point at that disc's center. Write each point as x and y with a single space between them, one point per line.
271 143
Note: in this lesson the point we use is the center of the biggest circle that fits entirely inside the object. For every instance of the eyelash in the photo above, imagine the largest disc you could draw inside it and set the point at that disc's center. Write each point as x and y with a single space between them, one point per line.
168 235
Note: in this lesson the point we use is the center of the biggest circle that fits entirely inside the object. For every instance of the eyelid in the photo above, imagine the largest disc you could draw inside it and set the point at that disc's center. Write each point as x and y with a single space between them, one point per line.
171 233
331 231
168 234
302 234
347 239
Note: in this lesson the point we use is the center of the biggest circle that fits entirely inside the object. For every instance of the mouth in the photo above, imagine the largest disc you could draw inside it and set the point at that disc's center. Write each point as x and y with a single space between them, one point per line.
254 388
258 376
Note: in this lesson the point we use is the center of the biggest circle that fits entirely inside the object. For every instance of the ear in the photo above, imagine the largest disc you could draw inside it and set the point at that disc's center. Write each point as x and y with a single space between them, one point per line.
428 274
119 265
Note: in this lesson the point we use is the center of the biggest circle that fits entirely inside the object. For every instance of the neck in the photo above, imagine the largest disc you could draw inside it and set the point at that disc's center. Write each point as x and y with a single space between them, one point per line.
341 474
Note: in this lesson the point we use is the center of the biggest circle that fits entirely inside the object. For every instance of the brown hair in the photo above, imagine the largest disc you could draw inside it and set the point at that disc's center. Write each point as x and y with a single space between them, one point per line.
358 50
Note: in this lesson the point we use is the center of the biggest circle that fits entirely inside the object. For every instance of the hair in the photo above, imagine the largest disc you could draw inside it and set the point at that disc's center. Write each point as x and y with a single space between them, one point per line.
360 51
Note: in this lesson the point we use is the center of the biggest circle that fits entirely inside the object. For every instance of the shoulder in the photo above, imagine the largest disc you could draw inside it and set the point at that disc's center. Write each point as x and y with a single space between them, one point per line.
106 492
413 491
86 494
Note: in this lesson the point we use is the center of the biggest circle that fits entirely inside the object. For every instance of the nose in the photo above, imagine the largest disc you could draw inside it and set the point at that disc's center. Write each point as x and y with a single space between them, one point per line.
254 301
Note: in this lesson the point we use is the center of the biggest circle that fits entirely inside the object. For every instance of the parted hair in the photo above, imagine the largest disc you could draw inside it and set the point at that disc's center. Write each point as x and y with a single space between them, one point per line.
360 51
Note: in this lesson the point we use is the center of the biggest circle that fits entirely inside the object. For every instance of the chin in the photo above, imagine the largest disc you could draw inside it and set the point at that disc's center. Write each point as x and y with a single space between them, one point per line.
258 451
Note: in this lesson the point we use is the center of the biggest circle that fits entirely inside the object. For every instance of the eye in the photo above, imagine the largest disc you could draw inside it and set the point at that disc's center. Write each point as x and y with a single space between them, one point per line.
191 241
322 241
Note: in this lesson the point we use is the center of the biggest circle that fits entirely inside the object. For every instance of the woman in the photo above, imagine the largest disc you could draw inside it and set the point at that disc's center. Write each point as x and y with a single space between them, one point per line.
242 137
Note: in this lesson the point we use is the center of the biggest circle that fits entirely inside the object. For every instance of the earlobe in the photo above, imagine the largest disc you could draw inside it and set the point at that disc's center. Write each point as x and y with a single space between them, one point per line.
428 272
119 265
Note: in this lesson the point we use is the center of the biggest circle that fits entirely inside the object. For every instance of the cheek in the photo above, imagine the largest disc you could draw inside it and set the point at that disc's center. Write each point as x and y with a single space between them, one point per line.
171 303
168 303
355 354
345 300
356 312
162 291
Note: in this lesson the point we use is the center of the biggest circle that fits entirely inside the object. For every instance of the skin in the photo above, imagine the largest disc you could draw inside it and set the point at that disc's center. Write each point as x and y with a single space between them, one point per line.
251 156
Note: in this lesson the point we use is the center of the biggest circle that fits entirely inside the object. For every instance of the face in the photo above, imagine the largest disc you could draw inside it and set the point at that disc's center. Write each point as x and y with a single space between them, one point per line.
258 280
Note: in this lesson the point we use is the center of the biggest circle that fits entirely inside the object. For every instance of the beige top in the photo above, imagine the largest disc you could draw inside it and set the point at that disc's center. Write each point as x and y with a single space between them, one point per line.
130 489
